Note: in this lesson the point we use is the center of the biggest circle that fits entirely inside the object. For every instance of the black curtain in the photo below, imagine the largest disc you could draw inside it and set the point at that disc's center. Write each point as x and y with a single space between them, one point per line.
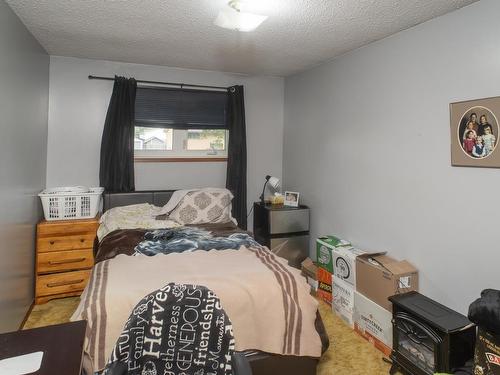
236 180
116 171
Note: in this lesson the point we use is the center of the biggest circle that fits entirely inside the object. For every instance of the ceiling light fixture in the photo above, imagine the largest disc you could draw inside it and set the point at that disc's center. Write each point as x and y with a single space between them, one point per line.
233 18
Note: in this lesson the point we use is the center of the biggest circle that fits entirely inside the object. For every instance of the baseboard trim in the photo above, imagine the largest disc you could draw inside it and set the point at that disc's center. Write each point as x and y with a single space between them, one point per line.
27 315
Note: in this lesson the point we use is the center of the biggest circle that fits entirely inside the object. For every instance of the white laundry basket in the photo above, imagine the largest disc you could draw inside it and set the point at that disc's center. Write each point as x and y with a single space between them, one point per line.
71 203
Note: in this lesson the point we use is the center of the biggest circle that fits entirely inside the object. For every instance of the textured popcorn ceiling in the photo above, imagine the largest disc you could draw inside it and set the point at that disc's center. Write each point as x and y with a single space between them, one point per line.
180 33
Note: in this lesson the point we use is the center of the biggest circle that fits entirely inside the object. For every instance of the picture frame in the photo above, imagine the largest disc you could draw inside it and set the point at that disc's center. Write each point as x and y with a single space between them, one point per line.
475 132
292 198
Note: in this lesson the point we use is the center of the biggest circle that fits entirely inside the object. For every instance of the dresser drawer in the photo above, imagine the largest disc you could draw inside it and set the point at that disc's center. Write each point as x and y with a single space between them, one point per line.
56 261
82 241
61 282
67 227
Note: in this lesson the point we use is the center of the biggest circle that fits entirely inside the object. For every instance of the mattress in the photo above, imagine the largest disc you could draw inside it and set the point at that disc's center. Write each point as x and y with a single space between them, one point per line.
121 244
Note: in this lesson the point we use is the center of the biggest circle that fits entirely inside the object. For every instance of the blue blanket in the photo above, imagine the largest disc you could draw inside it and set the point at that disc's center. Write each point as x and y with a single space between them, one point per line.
179 240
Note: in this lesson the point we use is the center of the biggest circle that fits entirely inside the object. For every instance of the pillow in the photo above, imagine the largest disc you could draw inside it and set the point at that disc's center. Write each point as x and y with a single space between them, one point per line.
204 206
174 201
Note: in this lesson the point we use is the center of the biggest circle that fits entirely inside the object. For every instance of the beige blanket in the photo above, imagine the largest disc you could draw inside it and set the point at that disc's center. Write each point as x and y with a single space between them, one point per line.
267 301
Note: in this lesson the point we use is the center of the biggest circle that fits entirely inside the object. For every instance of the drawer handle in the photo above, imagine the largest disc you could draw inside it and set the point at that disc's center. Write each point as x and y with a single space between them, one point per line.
63 283
82 240
76 260
52 242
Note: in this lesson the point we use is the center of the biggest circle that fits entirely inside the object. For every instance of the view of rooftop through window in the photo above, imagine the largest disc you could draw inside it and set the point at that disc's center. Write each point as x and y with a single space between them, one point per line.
153 138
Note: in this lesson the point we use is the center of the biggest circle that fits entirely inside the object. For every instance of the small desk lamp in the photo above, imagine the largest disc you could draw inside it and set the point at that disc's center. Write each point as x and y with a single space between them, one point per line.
274 182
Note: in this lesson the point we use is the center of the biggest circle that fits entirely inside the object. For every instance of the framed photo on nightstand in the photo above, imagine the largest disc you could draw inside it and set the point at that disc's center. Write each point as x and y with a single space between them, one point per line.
292 198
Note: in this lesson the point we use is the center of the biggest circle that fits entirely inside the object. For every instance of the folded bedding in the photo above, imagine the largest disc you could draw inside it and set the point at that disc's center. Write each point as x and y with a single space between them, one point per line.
132 217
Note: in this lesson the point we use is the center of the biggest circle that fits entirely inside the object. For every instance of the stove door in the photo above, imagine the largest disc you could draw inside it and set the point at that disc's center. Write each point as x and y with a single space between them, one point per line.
417 343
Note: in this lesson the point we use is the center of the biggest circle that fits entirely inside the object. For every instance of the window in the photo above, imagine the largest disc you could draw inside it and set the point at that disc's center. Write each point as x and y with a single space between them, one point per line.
179 123
206 140
150 139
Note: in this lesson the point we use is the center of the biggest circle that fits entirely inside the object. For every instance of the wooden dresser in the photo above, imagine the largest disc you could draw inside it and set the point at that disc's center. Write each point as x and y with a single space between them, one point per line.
64 257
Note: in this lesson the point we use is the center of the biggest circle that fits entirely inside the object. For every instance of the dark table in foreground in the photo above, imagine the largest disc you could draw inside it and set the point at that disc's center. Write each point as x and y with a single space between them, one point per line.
62 345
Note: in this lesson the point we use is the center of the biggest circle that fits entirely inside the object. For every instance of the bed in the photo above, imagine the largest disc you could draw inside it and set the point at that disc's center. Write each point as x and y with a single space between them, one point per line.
288 338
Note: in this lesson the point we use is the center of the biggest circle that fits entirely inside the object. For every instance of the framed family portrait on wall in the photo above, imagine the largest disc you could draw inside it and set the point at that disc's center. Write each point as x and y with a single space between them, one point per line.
474 133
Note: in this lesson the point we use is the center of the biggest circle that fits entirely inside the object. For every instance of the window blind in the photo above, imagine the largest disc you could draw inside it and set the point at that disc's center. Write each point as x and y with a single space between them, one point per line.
161 107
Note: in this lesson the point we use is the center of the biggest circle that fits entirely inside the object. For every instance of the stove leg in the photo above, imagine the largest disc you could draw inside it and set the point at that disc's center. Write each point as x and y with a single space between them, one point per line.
394 369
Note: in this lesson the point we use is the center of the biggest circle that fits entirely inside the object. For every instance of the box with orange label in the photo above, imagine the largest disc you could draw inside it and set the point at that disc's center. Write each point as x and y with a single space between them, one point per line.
324 285
373 322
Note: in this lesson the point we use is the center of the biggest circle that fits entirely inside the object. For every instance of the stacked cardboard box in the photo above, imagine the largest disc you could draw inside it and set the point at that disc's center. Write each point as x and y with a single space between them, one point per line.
373 322
361 283
326 249
325 253
379 277
324 285
344 282
310 270
343 300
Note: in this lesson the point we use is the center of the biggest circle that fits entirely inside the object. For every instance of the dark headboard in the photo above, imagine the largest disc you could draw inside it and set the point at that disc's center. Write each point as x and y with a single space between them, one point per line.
156 197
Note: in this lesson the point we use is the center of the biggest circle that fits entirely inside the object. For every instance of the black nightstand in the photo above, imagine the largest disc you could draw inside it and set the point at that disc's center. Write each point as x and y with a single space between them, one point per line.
283 229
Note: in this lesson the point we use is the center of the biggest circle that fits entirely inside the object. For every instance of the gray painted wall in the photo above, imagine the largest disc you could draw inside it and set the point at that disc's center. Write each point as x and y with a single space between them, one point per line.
24 82
77 109
367 143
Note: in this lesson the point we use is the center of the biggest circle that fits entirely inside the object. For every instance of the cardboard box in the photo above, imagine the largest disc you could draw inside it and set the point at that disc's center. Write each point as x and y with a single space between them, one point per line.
343 300
379 276
344 263
373 322
308 268
324 248
324 285
313 283
487 354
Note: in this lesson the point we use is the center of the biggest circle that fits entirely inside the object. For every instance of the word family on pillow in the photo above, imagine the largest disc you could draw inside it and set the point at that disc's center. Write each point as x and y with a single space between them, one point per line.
203 206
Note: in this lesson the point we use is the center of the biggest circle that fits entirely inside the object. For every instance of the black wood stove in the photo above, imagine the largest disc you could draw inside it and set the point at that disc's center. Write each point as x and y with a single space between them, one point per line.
428 337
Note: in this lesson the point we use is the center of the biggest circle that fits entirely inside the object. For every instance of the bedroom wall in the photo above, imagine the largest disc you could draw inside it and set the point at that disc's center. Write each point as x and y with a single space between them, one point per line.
78 107
367 143
24 77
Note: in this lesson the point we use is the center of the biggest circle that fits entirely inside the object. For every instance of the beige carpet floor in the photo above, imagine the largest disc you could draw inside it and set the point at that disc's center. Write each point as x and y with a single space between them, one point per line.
349 354
53 312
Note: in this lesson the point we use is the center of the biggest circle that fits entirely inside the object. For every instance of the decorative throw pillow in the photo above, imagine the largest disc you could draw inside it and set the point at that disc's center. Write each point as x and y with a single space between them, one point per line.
204 206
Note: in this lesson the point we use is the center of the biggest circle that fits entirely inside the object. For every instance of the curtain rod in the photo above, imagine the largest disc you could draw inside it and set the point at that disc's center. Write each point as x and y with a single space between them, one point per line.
181 85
